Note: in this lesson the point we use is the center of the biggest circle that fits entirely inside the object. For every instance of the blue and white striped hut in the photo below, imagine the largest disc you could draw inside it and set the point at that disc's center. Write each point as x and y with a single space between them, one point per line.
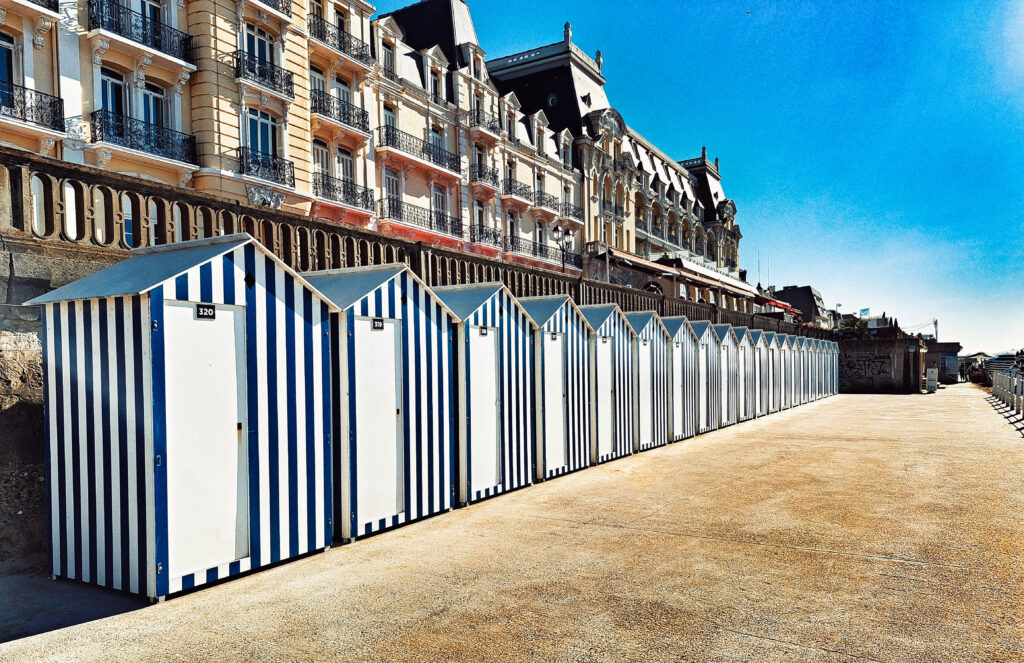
802 372
562 360
653 370
187 417
685 388
819 366
787 353
730 374
746 372
495 373
709 357
762 372
611 382
834 364
771 341
393 398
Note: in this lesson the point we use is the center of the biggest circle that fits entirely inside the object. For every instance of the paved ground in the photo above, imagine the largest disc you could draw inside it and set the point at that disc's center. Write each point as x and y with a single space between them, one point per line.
881 528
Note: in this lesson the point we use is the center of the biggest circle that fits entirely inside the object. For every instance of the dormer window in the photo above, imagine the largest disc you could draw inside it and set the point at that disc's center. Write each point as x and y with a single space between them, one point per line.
476 68
510 125
435 86
388 59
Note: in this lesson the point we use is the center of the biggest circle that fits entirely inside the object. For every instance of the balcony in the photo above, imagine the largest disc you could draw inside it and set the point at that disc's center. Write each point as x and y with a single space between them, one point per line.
484 235
135 28
571 211
266 167
528 247
334 109
283 7
342 191
481 119
339 41
389 137
25 105
391 75
641 224
135 134
32 9
265 74
396 210
483 174
517 191
546 200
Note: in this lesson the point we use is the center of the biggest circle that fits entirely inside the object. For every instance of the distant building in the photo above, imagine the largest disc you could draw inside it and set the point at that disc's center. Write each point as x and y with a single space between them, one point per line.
810 303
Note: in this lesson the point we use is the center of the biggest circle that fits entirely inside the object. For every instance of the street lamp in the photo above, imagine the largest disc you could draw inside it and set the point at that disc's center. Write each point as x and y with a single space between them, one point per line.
563 238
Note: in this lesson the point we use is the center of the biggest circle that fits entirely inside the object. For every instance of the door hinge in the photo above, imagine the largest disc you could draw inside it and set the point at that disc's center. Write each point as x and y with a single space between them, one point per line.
159 567
157 461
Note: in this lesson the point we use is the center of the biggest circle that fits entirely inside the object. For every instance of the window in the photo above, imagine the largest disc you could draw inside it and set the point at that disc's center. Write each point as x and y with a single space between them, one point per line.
317 80
479 156
389 117
344 90
510 125
321 158
540 183
316 8
112 91
478 212
391 188
478 101
388 54
6 67
153 12
259 43
153 105
435 86
436 137
439 200
262 132
513 224
476 68
345 165
341 20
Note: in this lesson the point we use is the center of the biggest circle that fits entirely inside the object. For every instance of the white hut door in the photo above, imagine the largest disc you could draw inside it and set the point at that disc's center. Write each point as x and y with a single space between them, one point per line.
485 468
742 381
554 402
727 377
605 399
644 392
380 452
677 389
207 467
702 385
759 390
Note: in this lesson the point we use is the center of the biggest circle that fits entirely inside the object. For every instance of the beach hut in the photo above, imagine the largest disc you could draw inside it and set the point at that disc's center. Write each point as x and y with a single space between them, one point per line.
709 358
730 374
653 368
835 368
562 345
762 373
495 372
393 398
611 382
685 388
187 417
774 364
748 375
787 380
802 374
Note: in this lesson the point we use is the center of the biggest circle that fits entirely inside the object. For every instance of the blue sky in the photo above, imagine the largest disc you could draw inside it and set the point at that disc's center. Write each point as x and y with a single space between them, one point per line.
874 150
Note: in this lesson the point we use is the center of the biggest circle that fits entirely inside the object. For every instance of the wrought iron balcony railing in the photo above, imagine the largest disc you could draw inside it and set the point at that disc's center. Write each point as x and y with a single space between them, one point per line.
325 103
543 199
283 6
607 206
620 212
641 223
390 74
574 259
342 191
338 39
114 17
388 136
545 251
52 5
264 72
396 210
21 103
484 235
479 172
478 117
513 187
266 166
571 211
136 134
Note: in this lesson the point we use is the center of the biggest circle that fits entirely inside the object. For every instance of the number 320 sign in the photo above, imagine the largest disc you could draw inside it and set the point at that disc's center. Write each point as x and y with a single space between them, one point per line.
206 312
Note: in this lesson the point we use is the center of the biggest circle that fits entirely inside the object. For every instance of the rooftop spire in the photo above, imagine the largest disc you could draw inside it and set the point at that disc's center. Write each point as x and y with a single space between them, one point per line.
567 33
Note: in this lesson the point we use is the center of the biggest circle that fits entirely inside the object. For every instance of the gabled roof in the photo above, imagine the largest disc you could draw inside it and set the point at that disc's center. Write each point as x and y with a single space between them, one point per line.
769 337
724 330
675 323
741 333
598 314
464 300
347 286
150 267
542 308
756 335
701 327
639 320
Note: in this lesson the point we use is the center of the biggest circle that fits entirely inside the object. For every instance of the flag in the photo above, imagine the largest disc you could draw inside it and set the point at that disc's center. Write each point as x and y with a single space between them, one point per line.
864 312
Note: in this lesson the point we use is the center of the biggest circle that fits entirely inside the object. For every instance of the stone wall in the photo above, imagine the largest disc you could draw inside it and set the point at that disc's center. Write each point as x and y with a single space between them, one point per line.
881 366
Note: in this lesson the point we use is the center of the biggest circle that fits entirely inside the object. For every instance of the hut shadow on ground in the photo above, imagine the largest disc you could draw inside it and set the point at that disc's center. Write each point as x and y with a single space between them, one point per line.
33 603
1008 413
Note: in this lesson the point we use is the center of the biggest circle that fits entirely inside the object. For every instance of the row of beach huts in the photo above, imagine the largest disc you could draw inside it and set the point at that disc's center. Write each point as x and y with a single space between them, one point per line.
210 411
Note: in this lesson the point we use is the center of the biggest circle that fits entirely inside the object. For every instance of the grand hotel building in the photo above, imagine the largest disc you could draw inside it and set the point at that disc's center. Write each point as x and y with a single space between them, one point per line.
398 123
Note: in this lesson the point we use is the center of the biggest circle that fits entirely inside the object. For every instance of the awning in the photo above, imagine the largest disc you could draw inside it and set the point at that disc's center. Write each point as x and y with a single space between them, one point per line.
689 273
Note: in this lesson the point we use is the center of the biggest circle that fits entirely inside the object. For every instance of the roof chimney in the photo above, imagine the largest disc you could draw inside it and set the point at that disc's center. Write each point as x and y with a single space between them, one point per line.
567 33
600 61
704 152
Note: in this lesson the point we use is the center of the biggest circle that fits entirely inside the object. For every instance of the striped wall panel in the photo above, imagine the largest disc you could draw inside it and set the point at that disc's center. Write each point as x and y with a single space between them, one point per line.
709 378
576 366
729 372
617 329
427 401
746 374
684 383
658 343
516 389
774 373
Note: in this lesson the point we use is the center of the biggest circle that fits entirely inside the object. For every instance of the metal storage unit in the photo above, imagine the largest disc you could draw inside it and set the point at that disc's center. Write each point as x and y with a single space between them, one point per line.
788 373
748 375
652 371
393 398
562 378
684 387
187 417
771 341
730 374
762 373
494 365
709 377
611 382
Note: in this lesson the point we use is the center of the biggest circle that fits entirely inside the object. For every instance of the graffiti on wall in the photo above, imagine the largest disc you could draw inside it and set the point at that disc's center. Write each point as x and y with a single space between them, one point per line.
865 371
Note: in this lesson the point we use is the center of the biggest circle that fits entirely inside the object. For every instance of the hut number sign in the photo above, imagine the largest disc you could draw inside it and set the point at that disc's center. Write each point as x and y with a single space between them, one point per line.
206 312
378 323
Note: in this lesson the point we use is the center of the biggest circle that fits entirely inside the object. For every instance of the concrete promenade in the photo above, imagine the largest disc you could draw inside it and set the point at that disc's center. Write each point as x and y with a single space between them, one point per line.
860 528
